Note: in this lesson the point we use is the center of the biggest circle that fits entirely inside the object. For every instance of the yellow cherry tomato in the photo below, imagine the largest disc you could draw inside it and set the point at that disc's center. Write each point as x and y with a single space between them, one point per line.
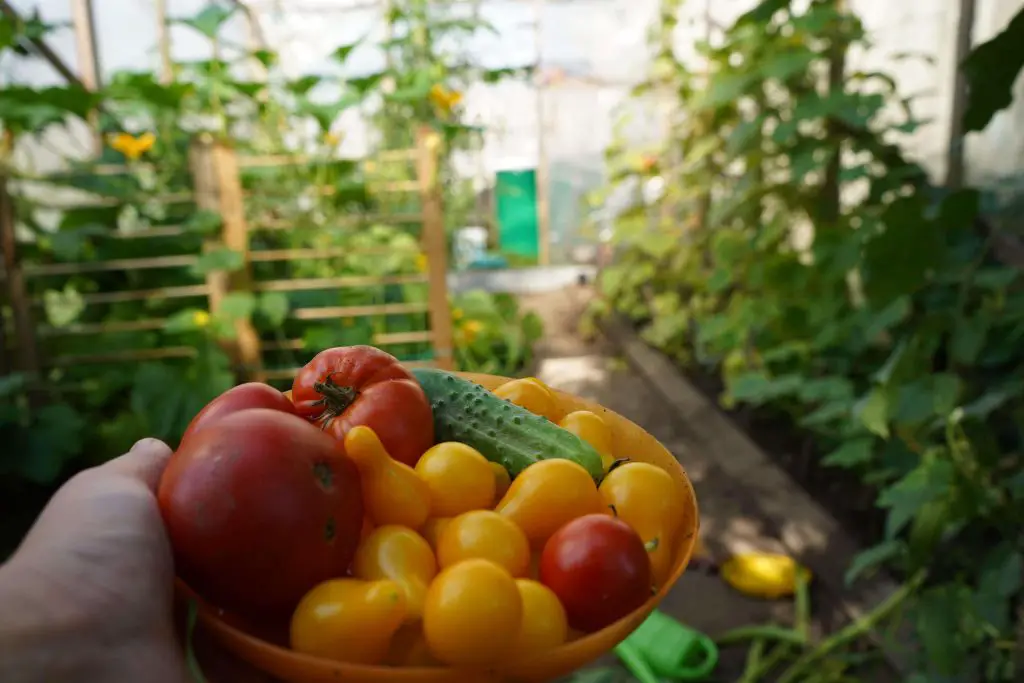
547 495
591 428
545 624
486 535
459 479
532 394
401 555
348 620
433 528
502 481
472 614
645 497
392 491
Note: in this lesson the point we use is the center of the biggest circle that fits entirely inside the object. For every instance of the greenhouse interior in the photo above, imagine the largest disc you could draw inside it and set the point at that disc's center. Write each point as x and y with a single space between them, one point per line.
511 341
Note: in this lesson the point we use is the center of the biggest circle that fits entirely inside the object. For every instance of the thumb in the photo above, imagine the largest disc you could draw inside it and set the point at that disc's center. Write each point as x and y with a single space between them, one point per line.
145 462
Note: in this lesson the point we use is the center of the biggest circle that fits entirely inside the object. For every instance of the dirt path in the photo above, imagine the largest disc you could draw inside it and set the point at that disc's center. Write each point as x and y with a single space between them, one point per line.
728 525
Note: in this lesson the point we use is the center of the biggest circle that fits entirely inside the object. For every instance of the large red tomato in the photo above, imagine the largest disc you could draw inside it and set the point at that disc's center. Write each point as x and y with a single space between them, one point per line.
598 567
348 386
242 397
260 506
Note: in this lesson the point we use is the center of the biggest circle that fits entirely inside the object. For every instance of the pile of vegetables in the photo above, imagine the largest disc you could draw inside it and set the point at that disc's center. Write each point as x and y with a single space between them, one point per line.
412 517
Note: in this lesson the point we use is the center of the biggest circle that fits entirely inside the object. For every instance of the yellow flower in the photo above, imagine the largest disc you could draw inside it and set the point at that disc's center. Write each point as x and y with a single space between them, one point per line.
444 100
421 263
471 329
332 139
130 146
200 318
456 314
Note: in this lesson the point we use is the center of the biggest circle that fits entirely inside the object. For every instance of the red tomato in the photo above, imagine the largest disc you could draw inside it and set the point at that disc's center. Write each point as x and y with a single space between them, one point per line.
260 507
350 386
248 395
599 569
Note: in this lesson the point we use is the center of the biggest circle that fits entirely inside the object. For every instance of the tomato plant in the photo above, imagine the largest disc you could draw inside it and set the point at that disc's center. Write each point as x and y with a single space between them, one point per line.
241 397
260 506
348 386
599 569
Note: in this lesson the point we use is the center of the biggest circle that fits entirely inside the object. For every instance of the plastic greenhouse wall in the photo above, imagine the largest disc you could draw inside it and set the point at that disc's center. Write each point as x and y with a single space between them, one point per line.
592 51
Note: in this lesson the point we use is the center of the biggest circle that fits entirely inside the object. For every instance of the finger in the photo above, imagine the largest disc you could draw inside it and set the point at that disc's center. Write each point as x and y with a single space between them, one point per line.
145 462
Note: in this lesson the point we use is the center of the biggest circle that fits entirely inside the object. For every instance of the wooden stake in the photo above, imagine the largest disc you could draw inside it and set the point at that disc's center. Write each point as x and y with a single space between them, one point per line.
26 354
955 149
218 189
163 39
88 60
435 246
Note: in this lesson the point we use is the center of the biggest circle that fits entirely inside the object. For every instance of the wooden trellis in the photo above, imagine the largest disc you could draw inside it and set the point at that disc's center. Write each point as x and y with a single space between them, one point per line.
217 187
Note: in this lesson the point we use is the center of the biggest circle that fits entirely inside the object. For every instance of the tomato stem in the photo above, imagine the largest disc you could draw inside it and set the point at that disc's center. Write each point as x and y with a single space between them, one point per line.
335 398
616 464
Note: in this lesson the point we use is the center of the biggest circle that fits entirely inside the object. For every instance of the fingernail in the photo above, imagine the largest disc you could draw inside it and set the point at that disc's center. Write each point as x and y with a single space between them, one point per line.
146 444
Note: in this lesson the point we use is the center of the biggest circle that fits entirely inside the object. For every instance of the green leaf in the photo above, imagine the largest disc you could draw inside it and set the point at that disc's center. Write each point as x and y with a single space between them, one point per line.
851 453
237 306
342 53
53 440
71 244
267 58
763 12
274 307
787 64
204 222
991 71
210 19
188 320
938 618
725 88
873 412
63 307
969 336
872 557
217 260
303 84
757 387
899 261
1002 573
894 312
925 483
946 388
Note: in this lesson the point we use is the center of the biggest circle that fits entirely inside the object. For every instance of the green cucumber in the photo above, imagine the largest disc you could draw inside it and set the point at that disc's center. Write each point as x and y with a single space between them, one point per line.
503 432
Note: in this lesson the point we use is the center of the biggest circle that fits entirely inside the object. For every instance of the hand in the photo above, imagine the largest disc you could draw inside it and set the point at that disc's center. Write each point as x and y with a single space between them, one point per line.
88 595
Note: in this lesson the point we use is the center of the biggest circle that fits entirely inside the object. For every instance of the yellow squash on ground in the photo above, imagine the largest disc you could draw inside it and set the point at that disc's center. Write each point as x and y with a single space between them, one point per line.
763 575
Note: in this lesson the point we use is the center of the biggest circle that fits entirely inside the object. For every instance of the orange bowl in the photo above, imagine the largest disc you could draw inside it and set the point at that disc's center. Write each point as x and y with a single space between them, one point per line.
267 651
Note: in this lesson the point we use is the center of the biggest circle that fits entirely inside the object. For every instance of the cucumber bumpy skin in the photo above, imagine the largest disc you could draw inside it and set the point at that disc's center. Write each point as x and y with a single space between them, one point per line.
503 432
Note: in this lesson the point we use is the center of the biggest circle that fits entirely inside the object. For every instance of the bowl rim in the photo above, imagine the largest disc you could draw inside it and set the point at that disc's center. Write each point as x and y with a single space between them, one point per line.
211 617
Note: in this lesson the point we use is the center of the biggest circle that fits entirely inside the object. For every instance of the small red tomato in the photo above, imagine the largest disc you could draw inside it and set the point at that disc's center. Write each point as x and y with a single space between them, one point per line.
260 507
242 397
349 386
599 569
